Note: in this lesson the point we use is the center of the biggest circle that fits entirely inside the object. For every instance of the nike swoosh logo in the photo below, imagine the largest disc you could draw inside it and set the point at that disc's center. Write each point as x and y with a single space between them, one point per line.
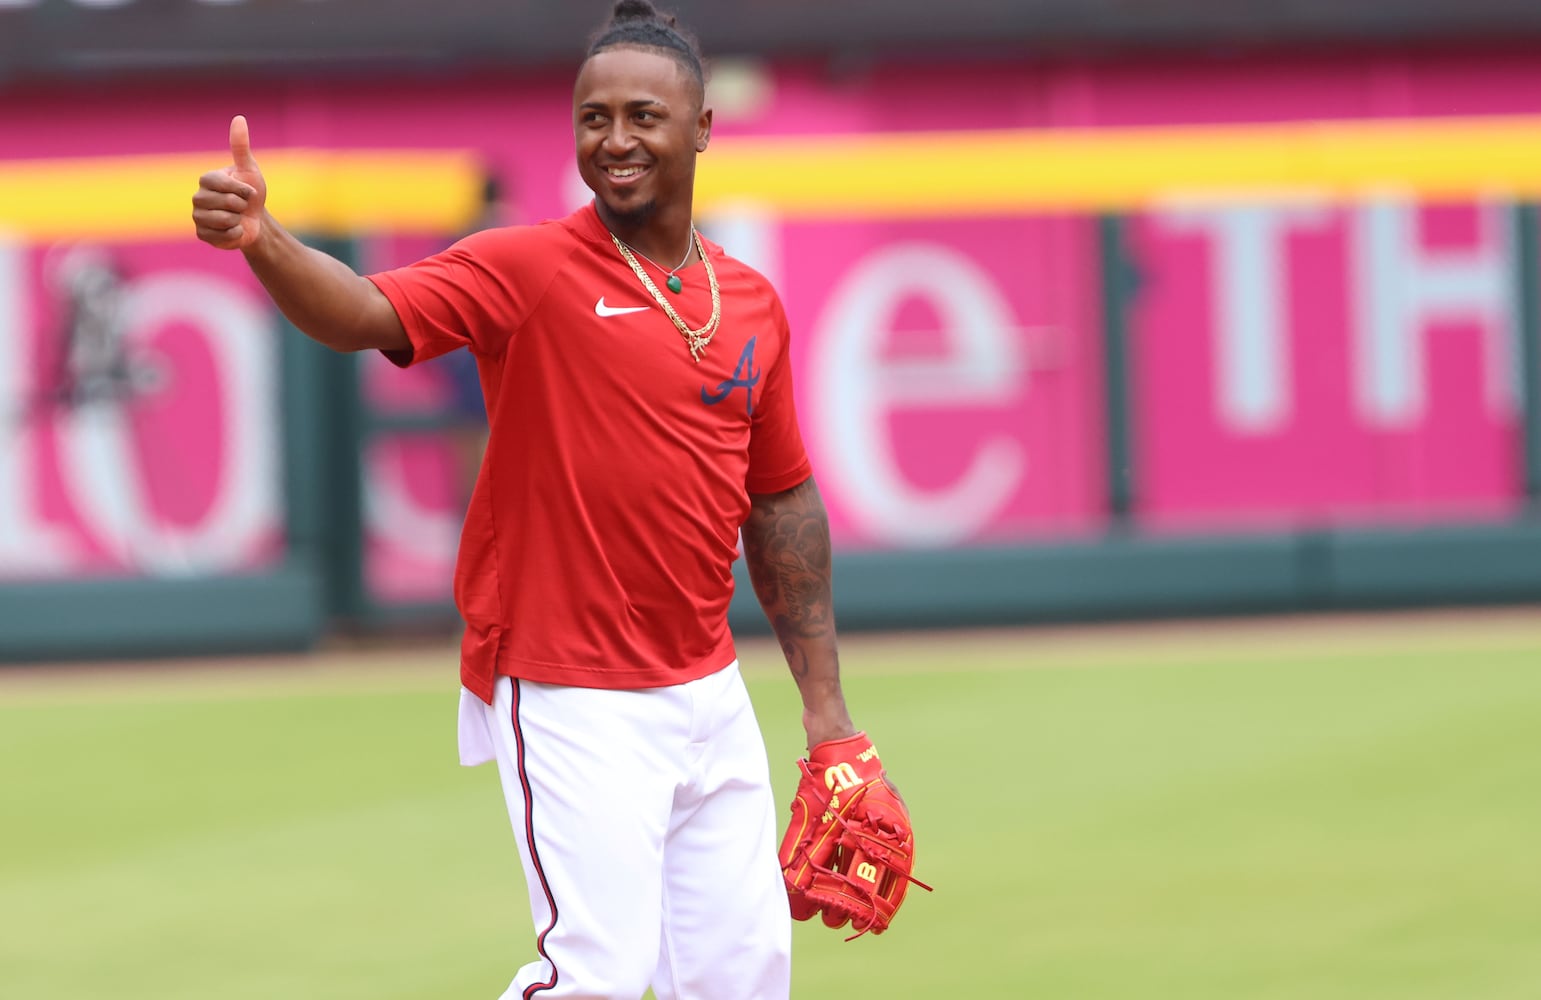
603 310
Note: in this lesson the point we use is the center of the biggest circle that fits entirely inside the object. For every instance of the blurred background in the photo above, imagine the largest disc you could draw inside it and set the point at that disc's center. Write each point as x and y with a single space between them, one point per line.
1101 308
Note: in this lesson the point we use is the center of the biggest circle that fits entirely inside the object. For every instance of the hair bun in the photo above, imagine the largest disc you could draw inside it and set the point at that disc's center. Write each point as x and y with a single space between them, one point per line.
633 10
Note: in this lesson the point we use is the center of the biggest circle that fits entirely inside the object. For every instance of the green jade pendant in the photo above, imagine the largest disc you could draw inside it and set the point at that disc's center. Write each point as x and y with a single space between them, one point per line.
674 284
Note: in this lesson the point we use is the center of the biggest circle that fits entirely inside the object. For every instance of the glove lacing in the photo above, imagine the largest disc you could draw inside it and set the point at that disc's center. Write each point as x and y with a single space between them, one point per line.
864 838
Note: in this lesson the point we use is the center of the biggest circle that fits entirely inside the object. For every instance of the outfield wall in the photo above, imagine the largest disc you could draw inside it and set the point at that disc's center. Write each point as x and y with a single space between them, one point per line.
1073 339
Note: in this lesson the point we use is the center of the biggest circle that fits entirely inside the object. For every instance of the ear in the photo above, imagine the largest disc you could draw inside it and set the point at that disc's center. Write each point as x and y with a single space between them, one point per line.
704 130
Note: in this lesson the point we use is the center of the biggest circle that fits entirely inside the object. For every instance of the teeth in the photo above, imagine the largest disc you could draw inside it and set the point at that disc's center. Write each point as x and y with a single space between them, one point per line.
625 171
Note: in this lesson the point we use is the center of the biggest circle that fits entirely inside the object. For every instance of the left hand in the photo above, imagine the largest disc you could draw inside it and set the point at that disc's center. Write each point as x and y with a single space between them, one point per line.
849 849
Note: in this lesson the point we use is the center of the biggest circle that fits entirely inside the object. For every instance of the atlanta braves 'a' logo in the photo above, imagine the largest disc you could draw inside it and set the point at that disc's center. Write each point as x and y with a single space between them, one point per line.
745 376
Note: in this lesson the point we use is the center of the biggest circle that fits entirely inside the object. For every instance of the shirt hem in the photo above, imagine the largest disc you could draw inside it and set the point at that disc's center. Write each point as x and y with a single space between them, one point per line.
606 678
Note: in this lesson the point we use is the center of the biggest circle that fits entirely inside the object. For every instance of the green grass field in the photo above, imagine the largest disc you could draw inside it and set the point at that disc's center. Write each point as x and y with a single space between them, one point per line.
1297 808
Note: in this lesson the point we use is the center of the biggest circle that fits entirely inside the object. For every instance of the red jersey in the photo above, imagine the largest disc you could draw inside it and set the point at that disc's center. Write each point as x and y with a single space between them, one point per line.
598 546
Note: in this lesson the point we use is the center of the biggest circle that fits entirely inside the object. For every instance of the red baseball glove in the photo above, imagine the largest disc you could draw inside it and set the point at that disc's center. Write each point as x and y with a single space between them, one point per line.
849 849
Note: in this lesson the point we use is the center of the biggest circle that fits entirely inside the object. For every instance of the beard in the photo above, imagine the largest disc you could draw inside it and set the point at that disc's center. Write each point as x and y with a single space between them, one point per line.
636 216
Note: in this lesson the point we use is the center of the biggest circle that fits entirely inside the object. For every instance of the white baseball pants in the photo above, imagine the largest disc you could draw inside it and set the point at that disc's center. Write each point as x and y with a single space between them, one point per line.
648 834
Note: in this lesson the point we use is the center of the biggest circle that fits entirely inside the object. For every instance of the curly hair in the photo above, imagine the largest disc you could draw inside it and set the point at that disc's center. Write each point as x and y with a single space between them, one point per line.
638 24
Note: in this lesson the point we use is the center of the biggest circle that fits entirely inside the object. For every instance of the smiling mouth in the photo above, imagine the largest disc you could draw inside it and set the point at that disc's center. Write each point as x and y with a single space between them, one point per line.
624 173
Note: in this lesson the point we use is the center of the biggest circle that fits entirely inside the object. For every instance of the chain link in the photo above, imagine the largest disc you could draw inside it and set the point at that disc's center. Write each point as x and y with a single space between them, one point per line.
696 340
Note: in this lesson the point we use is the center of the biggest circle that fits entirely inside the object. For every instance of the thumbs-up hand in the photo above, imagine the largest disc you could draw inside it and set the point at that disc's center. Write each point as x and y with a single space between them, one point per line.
228 206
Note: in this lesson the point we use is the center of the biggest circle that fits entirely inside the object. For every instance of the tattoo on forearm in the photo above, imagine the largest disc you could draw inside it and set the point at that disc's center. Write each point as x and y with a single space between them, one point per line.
796 656
786 546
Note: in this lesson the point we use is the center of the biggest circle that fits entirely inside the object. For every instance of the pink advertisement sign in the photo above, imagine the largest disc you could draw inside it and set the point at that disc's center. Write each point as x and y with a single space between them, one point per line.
139 431
1317 365
1295 363
949 377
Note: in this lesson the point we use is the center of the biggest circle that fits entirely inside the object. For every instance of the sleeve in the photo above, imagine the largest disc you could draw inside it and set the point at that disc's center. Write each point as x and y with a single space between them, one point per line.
777 459
475 294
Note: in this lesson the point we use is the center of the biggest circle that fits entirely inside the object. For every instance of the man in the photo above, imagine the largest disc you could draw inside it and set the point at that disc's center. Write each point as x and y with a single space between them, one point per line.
641 416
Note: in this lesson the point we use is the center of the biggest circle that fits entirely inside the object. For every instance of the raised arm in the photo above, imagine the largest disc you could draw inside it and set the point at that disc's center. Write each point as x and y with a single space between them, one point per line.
787 550
318 293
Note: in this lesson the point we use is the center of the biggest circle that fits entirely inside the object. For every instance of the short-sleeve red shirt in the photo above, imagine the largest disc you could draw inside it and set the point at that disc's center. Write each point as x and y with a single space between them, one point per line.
598 545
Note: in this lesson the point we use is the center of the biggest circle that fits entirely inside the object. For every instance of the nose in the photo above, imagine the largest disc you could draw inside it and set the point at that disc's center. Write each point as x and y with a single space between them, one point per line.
618 139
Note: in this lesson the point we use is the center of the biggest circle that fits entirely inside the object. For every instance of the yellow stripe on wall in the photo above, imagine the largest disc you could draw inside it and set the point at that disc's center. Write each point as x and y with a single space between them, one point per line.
974 173
893 175
150 197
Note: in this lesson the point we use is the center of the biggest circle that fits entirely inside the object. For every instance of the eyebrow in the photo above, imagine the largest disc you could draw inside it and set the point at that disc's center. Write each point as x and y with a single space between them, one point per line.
628 106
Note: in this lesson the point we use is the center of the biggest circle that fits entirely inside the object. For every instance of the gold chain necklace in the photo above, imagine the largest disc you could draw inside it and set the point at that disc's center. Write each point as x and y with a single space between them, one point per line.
696 340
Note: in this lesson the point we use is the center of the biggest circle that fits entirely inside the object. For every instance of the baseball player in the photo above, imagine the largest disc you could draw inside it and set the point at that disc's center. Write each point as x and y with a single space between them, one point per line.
641 416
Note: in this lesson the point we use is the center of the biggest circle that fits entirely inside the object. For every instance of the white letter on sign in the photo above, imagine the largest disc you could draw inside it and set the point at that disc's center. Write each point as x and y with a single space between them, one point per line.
853 390
1249 316
29 545
1401 287
98 457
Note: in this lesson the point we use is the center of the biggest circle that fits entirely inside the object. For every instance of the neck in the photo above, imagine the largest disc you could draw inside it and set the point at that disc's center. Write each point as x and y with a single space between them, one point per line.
661 236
